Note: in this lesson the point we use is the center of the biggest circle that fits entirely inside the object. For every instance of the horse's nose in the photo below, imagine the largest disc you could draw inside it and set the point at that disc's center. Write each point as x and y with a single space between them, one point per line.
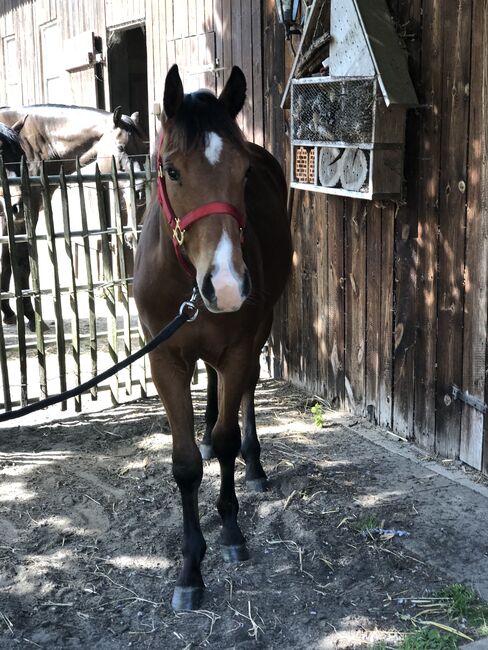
246 285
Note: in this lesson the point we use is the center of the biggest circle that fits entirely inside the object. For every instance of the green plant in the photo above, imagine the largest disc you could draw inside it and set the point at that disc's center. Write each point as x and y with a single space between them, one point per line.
462 602
427 638
318 415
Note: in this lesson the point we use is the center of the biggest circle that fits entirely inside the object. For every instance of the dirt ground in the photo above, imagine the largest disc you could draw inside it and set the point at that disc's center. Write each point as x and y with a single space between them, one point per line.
90 535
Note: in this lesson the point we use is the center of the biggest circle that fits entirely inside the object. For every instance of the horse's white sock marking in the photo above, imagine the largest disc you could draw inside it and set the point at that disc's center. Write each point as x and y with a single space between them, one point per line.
213 147
225 279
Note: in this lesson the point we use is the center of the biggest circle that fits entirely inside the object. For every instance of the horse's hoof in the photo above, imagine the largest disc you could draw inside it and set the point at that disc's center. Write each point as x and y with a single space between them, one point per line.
185 598
206 451
235 553
257 485
32 326
10 320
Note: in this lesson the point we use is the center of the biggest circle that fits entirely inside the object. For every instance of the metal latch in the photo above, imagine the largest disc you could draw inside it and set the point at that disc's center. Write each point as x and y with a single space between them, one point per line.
468 399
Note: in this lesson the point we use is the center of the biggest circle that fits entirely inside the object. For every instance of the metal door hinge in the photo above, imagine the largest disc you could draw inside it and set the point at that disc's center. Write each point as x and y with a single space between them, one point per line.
470 400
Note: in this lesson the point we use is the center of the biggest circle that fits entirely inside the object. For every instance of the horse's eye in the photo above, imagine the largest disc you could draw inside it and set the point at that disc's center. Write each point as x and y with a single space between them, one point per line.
173 173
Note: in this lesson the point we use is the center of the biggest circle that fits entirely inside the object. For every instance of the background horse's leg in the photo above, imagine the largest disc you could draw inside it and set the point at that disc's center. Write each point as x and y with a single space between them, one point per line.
211 413
226 442
9 316
174 390
256 479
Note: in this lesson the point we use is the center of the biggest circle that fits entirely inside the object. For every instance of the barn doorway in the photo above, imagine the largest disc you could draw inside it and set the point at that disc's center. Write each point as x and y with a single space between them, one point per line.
127 72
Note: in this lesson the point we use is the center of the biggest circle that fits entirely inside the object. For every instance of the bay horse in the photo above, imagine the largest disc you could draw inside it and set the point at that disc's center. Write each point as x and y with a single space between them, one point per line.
218 222
56 134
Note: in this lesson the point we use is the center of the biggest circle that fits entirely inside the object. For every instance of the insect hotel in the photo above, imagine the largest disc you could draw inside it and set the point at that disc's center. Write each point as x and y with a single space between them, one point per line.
348 122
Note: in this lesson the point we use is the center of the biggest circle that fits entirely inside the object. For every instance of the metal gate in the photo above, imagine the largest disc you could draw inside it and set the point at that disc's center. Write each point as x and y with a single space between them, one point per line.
81 254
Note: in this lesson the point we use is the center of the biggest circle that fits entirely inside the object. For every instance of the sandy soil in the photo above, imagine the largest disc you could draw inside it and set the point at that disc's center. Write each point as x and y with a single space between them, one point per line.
90 533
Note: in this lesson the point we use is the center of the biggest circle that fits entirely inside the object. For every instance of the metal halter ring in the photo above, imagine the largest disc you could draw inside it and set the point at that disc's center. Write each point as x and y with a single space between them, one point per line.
191 306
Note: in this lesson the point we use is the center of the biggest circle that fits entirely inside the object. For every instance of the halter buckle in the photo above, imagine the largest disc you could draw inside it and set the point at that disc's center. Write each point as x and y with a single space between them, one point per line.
178 233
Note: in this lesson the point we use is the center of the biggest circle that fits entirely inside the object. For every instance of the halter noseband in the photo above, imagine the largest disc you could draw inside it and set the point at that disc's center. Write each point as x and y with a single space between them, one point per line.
179 226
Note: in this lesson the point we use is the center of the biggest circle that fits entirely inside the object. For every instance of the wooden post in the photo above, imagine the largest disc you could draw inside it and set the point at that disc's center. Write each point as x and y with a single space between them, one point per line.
73 298
56 293
123 290
109 288
92 319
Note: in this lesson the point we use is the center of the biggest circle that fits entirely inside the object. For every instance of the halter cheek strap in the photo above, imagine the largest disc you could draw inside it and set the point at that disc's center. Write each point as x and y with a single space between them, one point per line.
179 226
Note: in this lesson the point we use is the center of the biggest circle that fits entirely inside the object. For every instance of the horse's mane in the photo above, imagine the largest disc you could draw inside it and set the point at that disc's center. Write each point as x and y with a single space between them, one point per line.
200 113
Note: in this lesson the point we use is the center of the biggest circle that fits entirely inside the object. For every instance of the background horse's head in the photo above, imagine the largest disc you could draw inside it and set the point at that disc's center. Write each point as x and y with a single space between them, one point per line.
124 140
11 151
204 159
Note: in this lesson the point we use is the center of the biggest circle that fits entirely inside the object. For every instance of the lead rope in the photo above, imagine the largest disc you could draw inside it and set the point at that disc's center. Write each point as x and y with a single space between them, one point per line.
187 313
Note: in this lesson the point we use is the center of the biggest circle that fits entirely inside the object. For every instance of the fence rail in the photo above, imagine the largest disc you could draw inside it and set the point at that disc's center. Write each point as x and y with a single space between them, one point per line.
80 249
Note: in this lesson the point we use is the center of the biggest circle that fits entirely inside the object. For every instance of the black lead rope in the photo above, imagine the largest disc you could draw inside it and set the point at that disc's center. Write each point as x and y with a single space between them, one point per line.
185 315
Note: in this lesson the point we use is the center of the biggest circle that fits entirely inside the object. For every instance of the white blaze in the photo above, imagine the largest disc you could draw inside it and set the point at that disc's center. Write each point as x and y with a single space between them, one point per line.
213 147
225 280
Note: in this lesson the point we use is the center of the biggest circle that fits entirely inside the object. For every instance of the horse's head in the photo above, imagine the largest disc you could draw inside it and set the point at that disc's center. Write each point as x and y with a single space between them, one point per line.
204 163
124 141
11 151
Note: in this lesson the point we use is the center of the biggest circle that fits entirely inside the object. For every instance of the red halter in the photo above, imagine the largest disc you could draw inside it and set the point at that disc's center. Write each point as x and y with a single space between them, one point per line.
180 225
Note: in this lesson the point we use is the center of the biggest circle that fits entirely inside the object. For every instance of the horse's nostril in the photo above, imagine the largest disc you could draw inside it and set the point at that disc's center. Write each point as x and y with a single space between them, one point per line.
246 285
208 290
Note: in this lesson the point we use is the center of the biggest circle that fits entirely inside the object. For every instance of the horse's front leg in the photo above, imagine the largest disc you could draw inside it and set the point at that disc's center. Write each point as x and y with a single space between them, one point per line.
226 442
172 378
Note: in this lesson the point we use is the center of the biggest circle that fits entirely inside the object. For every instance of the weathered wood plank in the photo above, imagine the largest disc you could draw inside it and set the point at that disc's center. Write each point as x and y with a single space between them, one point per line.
321 226
355 344
427 229
475 303
373 310
257 74
456 21
409 16
335 301
385 387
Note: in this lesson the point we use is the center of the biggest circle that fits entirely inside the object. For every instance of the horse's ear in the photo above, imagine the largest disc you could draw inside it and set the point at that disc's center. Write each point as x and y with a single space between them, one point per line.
135 117
234 94
18 126
173 92
117 115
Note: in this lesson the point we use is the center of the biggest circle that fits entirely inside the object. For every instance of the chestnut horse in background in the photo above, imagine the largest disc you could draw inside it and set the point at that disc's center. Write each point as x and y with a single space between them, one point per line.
220 225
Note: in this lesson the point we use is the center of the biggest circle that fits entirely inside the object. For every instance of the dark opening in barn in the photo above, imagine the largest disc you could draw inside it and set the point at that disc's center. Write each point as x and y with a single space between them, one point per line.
127 70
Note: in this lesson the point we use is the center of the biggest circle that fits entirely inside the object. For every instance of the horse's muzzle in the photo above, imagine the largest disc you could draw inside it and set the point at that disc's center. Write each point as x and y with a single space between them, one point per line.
223 293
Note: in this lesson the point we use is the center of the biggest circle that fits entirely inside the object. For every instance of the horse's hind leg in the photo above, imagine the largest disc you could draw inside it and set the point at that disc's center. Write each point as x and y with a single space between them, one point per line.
174 389
211 413
256 479
226 441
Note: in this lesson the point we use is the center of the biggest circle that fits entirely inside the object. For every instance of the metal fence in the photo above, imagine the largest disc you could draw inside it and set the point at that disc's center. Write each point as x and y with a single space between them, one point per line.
81 254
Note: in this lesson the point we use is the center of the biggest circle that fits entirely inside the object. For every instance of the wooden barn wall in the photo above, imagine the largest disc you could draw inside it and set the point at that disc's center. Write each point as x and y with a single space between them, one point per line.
387 303
199 34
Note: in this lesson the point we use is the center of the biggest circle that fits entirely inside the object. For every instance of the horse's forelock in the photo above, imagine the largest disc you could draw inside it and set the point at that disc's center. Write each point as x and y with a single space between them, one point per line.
200 113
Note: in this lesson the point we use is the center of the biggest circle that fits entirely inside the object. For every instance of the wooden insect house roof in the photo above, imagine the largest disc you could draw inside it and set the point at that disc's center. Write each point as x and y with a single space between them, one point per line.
353 38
